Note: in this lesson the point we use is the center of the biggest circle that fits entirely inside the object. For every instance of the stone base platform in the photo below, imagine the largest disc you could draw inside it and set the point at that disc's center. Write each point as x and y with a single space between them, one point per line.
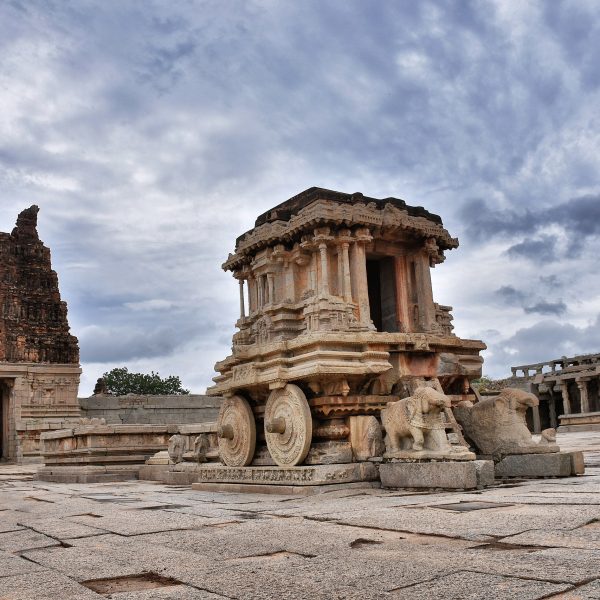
464 475
580 422
284 490
88 473
277 480
100 453
557 464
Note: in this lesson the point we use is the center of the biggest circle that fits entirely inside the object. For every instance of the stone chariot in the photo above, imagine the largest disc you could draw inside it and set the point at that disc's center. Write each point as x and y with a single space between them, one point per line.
341 321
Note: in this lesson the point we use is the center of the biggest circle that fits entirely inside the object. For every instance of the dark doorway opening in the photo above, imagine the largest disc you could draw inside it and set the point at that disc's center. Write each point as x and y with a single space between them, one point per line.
3 421
381 283
575 397
593 395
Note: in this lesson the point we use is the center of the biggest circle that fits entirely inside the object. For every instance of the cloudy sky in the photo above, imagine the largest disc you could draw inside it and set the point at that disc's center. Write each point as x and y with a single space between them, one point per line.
152 133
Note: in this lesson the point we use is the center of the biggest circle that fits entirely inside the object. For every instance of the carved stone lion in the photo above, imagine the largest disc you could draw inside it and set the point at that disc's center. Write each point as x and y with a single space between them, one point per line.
497 425
415 423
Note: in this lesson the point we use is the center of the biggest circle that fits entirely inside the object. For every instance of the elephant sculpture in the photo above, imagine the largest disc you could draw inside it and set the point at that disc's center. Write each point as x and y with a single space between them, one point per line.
415 423
497 425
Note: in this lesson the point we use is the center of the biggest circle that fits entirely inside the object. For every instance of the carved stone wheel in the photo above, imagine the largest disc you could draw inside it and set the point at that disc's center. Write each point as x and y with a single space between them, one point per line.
236 432
288 426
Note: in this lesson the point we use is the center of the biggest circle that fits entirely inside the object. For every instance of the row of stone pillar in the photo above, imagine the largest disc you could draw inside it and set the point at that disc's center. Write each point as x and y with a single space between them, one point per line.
582 384
352 273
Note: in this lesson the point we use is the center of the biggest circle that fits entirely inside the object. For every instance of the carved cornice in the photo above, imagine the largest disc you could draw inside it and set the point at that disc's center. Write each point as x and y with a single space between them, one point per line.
387 218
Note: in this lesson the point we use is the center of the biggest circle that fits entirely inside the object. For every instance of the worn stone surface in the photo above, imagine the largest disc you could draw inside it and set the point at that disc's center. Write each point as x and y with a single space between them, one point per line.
132 409
449 474
558 464
45 585
529 539
476 586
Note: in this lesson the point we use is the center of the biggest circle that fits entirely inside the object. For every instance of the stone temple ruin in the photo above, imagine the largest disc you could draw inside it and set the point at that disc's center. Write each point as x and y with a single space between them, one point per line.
343 371
568 389
39 358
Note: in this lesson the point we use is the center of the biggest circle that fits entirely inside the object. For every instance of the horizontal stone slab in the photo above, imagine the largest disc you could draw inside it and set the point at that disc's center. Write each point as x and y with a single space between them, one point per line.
197 428
465 475
297 476
88 474
154 472
560 464
284 490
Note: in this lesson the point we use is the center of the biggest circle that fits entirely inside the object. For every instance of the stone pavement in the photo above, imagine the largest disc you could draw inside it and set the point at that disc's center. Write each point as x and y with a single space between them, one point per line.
140 540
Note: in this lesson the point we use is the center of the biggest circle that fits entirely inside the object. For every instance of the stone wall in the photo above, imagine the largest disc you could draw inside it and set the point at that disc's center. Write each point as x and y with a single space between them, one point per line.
152 410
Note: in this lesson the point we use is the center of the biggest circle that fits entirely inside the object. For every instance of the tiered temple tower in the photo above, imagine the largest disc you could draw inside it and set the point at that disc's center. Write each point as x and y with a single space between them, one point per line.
39 358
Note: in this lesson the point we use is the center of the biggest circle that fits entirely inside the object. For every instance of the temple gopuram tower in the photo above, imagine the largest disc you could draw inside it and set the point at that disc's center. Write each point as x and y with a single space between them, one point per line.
39 358
337 319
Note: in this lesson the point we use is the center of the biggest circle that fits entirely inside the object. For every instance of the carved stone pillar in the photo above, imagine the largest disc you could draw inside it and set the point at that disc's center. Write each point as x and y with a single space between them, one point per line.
346 272
271 288
312 272
340 273
564 388
537 428
261 291
290 281
322 238
253 294
324 269
583 392
425 293
359 276
242 306
552 409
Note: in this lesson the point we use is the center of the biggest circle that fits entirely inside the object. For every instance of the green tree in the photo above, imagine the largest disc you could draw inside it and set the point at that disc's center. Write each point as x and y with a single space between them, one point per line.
120 381
483 383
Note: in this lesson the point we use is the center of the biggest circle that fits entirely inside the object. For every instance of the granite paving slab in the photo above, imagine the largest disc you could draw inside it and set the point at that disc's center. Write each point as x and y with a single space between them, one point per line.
137 522
62 529
11 564
589 591
45 585
586 537
525 539
478 525
179 592
475 586
25 539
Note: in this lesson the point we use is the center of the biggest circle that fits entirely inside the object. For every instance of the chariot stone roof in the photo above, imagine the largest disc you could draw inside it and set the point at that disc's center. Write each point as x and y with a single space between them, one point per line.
315 207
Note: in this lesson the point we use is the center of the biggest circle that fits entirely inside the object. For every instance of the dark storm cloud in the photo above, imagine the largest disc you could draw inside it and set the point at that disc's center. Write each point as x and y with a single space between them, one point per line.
547 308
540 249
547 340
152 133
510 295
578 218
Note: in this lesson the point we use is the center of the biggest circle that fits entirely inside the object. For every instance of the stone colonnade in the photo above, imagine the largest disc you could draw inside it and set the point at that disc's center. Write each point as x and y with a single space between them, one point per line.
265 277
